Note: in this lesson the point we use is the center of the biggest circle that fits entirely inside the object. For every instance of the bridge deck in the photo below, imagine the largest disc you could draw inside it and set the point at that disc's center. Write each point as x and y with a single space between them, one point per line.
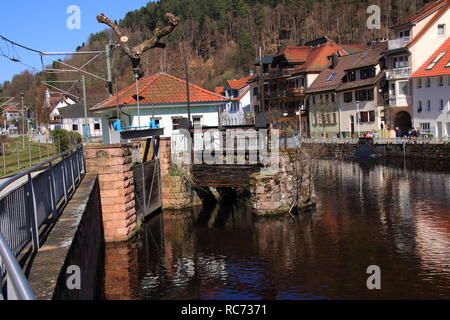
224 176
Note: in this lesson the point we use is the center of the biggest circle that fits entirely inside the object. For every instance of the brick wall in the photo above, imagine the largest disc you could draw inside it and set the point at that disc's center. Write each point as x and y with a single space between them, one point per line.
114 165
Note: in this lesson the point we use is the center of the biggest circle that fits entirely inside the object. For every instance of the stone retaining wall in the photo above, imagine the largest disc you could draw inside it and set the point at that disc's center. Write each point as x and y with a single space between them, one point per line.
290 188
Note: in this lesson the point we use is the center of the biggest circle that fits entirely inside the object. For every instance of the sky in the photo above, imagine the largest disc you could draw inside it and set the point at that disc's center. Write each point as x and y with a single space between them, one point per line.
42 25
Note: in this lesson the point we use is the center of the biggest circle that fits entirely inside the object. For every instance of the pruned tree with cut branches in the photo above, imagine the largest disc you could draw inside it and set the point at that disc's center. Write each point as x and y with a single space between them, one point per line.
135 53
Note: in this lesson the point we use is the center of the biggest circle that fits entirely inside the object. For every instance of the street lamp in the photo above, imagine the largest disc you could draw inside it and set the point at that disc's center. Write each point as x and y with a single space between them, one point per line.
357 118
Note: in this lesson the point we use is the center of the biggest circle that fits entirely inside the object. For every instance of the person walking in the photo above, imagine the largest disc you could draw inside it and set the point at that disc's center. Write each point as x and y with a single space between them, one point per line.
398 133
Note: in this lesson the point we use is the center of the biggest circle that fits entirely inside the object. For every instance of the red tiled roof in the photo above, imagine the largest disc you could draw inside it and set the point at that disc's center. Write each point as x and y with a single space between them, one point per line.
219 90
443 7
422 13
240 83
312 59
160 88
12 109
440 68
318 58
295 54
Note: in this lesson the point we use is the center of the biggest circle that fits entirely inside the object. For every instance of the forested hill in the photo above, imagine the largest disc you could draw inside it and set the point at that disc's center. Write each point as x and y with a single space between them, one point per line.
221 37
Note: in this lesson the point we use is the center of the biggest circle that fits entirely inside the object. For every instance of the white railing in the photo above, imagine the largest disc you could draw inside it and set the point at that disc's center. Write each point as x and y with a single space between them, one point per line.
398 43
398 73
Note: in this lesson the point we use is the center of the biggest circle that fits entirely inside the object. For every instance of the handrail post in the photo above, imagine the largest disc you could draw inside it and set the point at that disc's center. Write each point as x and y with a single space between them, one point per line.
52 190
77 157
32 213
63 168
73 176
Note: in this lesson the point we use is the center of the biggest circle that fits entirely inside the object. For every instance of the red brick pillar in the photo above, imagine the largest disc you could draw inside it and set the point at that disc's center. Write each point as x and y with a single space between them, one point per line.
165 155
114 166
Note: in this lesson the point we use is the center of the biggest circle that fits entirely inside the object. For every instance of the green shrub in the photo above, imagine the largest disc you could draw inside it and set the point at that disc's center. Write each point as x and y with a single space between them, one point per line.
75 138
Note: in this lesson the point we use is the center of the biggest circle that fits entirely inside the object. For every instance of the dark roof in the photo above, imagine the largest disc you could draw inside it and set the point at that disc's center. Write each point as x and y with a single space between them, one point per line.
369 57
74 111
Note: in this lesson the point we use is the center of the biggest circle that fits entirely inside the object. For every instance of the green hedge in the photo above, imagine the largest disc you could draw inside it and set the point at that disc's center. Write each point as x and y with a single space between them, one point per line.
66 139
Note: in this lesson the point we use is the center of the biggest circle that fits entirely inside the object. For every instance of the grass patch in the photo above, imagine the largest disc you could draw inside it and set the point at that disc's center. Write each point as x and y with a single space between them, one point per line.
14 161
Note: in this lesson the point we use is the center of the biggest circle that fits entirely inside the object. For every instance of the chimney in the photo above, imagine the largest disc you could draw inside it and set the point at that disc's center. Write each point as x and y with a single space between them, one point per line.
334 60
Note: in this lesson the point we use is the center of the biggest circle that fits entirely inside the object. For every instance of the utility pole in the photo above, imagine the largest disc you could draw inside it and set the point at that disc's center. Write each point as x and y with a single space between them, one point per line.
86 131
108 69
23 121
261 80
188 94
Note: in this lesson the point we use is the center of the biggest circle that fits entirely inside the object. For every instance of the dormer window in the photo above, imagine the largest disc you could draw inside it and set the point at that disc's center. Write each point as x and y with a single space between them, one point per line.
404 34
436 60
351 76
441 30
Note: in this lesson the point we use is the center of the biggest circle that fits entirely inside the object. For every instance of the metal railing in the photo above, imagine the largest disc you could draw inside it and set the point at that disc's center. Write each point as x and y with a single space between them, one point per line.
398 43
36 199
398 73
17 287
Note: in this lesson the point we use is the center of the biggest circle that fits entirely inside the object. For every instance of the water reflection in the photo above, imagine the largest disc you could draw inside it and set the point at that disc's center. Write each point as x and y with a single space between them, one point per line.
386 214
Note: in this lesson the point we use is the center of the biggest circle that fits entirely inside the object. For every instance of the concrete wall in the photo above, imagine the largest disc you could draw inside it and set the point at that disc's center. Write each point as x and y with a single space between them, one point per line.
76 240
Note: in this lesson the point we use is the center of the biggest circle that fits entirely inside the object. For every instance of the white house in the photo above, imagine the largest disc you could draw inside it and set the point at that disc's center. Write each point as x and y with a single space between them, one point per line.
238 111
415 38
163 98
432 94
12 115
54 104
73 119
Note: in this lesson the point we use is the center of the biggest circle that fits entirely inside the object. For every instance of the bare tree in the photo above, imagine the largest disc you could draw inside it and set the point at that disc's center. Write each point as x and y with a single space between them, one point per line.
135 53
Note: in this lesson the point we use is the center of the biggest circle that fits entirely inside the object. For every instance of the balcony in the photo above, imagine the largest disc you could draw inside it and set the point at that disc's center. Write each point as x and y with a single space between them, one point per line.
399 101
281 73
398 73
296 92
398 43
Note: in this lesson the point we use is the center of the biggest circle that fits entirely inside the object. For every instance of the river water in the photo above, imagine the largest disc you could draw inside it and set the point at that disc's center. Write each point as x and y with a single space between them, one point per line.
392 215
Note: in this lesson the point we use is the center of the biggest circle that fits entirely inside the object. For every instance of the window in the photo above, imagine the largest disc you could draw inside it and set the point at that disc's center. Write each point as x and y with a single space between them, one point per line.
425 127
367 116
404 34
197 121
441 30
365 95
441 81
419 83
403 88
331 77
401 62
448 65
367 73
348 97
419 109
441 107
333 98
175 123
436 60
256 91
351 76
75 127
428 82
428 105
97 125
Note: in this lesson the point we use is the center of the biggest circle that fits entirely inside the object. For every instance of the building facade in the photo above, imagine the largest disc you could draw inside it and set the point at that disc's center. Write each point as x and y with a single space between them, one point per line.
415 37
431 110
346 99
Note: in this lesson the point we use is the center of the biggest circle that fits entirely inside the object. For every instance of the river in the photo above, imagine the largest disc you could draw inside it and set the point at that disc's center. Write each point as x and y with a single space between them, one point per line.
392 215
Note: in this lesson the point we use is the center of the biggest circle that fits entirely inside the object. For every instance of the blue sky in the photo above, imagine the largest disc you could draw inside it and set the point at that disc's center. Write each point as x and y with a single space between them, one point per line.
41 25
